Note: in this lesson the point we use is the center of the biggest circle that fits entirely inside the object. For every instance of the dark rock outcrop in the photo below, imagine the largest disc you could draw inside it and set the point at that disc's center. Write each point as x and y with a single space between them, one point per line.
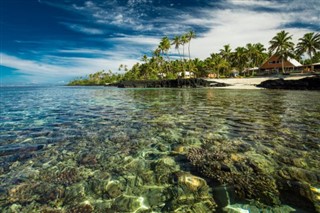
309 83
176 83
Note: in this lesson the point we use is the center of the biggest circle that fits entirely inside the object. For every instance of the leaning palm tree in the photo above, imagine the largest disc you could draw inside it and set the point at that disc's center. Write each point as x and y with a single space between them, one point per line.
282 46
190 35
309 44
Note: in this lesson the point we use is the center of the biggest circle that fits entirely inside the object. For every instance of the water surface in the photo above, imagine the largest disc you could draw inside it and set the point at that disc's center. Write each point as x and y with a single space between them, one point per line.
162 150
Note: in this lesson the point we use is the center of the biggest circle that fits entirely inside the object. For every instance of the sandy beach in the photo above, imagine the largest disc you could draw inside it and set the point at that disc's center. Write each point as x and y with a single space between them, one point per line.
249 83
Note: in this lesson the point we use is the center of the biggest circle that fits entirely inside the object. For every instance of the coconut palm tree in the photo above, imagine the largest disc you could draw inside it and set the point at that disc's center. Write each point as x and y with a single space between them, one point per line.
309 44
255 55
144 58
217 63
176 41
190 35
282 46
184 40
239 58
164 47
226 52
261 54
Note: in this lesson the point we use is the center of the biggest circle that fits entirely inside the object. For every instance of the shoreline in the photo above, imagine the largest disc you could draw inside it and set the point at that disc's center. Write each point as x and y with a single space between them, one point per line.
250 83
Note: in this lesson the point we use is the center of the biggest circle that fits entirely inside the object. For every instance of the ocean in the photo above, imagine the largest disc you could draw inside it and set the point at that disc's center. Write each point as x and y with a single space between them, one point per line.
104 149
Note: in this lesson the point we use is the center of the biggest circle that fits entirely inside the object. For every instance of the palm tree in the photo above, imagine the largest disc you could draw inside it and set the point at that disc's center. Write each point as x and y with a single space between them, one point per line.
218 63
176 41
190 35
226 52
184 40
240 58
157 58
144 58
164 46
282 46
309 44
261 54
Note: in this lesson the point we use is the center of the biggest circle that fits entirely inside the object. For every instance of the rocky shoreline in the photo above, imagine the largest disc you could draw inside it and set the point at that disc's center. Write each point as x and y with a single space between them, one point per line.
175 83
308 83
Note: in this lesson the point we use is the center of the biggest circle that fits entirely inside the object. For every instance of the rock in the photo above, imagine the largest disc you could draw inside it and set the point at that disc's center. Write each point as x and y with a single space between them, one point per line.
191 182
189 194
126 203
84 207
164 168
114 189
309 83
155 195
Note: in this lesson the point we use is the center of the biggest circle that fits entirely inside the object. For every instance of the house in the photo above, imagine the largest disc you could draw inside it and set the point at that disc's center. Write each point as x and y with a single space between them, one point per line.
315 67
162 75
185 74
212 75
274 63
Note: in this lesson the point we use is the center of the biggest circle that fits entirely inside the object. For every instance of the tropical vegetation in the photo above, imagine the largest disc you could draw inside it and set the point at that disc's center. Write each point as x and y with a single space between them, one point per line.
167 61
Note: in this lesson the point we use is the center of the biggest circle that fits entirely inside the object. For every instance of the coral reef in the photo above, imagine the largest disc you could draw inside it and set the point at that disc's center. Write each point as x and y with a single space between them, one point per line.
244 174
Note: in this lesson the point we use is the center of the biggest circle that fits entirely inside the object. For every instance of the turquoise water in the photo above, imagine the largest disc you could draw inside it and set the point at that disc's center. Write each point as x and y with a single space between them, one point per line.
98 149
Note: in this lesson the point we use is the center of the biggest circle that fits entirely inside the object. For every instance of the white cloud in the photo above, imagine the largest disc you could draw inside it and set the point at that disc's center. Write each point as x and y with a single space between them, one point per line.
83 29
238 27
67 68
82 51
137 40
253 3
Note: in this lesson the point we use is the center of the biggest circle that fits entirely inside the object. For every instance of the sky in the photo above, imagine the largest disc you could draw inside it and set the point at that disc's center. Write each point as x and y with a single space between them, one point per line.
55 41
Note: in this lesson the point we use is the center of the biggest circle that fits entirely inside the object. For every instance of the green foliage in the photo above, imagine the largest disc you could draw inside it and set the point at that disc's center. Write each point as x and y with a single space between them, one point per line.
282 46
98 78
309 44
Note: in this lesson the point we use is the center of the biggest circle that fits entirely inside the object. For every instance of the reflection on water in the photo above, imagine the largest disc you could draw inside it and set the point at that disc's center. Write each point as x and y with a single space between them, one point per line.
94 149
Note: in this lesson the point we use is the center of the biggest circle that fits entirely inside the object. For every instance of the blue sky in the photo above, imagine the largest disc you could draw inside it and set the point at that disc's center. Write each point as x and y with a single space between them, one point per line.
53 41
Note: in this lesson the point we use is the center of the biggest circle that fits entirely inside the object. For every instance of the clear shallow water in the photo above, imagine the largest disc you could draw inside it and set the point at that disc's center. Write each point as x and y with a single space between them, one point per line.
66 149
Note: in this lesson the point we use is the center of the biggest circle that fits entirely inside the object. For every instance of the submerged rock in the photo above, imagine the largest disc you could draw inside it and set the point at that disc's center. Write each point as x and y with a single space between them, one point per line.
189 194
84 207
126 203
114 189
191 182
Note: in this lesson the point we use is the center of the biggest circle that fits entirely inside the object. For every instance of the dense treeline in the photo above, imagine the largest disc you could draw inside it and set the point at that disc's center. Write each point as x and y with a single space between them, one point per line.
98 78
178 63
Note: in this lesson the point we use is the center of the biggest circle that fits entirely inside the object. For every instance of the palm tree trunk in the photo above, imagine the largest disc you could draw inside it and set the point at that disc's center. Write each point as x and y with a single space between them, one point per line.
282 63
183 57
179 54
189 50
183 52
